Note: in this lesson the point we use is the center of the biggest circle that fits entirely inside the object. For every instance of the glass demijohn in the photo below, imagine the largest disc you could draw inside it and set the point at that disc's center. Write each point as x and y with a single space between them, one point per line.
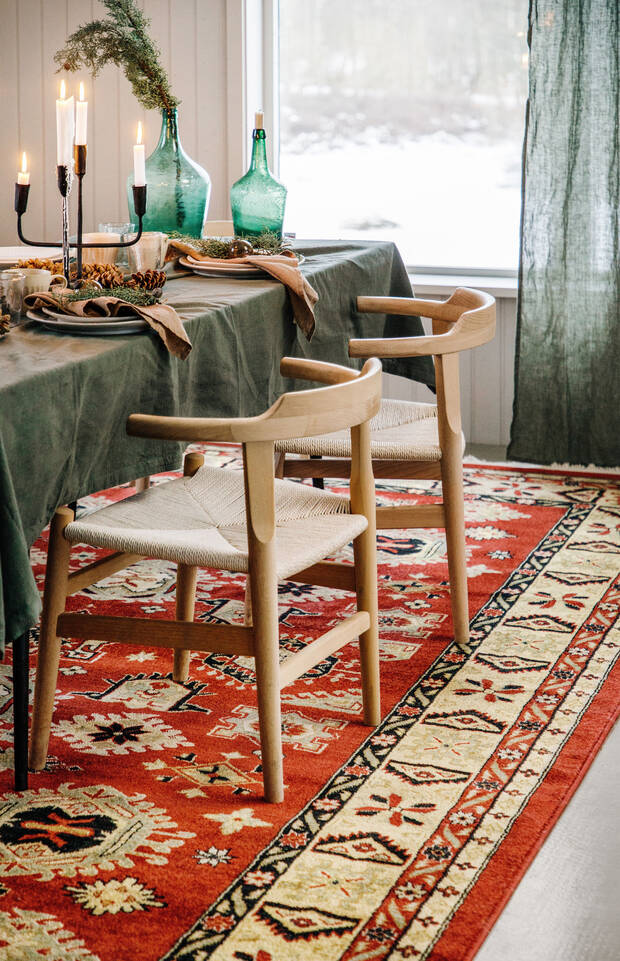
258 200
178 189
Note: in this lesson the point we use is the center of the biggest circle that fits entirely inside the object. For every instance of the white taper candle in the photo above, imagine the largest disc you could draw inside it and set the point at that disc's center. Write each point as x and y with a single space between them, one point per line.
81 118
23 177
139 168
65 124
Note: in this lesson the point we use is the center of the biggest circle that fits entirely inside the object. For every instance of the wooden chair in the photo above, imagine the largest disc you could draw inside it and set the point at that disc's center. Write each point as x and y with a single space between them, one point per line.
199 520
410 440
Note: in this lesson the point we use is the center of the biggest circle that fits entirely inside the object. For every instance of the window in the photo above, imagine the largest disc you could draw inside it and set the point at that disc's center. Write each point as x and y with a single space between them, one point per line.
403 120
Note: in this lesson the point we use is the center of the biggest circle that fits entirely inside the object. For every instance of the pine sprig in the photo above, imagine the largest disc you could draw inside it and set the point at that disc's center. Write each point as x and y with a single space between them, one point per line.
130 295
266 243
121 39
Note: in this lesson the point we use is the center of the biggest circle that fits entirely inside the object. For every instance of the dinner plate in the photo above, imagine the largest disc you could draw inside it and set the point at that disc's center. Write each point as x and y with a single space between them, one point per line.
94 328
221 270
10 255
61 316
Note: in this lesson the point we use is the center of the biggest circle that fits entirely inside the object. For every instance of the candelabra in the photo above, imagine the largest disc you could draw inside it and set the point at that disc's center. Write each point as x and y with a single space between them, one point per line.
65 182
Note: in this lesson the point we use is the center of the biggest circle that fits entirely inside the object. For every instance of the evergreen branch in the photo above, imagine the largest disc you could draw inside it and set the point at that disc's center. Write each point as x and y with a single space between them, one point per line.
121 39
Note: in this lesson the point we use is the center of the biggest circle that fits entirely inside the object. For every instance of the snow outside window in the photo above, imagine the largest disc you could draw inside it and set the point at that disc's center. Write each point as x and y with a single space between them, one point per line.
403 120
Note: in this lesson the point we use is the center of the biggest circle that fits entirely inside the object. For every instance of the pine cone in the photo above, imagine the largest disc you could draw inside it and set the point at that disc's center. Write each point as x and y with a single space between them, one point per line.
42 263
148 279
105 274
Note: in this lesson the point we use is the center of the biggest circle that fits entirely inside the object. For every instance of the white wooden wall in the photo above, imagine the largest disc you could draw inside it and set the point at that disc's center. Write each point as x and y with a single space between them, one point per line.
192 35
487 382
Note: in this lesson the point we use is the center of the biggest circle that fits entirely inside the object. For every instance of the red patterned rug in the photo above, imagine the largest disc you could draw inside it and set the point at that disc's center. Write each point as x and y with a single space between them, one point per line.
146 837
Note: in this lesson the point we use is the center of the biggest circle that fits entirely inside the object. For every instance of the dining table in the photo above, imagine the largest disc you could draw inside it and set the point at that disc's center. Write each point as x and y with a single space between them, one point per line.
65 399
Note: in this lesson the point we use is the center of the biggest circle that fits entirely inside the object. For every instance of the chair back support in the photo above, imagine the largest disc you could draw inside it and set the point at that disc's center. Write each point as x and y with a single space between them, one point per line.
476 323
350 398
465 320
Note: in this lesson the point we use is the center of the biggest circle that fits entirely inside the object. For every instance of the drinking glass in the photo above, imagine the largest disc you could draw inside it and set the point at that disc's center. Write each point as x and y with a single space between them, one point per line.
150 251
12 293
123 229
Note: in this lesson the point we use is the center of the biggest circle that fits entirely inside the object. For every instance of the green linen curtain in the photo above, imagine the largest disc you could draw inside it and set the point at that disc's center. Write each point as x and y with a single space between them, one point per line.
567 374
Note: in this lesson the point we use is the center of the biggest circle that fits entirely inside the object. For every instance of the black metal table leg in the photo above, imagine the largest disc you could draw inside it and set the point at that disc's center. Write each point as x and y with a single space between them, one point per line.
20 711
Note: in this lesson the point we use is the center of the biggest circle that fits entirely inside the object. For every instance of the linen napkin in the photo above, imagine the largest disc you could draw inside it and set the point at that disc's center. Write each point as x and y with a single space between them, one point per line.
285 269
161 318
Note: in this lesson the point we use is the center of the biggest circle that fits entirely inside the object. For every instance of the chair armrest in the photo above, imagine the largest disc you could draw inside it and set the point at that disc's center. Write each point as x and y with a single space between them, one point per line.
405 346
189 429
316 370
437 310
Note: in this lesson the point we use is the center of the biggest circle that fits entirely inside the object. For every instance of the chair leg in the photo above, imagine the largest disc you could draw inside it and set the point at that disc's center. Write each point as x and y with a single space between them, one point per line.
54 598
186 576
278 470
20 711
365 555
247 602
264 591
186 601
454 512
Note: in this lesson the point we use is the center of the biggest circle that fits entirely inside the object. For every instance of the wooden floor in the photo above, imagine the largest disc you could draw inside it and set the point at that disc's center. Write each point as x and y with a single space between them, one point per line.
567 907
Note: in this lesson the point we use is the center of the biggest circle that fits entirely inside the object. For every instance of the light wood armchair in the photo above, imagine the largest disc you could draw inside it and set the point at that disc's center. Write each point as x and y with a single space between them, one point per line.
411 440
240 521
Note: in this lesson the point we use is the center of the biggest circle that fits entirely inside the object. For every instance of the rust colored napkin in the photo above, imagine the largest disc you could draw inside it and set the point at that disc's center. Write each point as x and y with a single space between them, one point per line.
285 269
161 318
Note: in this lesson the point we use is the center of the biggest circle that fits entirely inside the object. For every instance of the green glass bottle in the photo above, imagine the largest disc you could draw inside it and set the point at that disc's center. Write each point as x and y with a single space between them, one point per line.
178 189
258 199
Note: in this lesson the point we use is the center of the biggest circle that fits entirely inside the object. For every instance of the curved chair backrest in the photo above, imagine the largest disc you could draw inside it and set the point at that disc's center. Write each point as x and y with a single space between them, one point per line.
465 320
350 398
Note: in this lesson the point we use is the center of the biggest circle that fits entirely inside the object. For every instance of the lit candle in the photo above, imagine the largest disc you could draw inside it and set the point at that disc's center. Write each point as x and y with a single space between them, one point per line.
81 115
64 128
139 169
23 177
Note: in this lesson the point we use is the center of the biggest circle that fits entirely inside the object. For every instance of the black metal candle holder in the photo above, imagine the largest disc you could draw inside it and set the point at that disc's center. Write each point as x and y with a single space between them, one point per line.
65 176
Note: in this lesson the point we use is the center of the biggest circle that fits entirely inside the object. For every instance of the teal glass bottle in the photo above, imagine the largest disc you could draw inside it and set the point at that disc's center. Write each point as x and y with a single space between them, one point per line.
258 200
178 189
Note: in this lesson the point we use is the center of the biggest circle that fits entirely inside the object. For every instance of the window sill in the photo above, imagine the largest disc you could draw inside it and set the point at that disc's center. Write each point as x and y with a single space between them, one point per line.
443 284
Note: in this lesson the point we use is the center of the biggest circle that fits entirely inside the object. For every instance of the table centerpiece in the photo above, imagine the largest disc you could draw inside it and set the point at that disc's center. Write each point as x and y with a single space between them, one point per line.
180 188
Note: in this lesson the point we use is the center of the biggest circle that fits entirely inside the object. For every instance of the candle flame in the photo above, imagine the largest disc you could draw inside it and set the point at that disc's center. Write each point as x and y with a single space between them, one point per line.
63 90
139 136
81 90
24 163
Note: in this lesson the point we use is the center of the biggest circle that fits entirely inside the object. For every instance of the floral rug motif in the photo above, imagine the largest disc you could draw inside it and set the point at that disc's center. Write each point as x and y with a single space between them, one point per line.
402 841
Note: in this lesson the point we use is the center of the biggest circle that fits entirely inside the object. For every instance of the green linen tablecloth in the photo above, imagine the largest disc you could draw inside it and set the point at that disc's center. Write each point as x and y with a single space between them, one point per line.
64 399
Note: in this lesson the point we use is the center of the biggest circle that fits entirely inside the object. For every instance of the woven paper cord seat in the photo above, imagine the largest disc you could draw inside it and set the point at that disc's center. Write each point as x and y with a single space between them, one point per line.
401 430
201 522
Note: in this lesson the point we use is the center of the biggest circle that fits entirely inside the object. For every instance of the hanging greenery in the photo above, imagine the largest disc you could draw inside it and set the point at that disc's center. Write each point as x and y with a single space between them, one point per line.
121 39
